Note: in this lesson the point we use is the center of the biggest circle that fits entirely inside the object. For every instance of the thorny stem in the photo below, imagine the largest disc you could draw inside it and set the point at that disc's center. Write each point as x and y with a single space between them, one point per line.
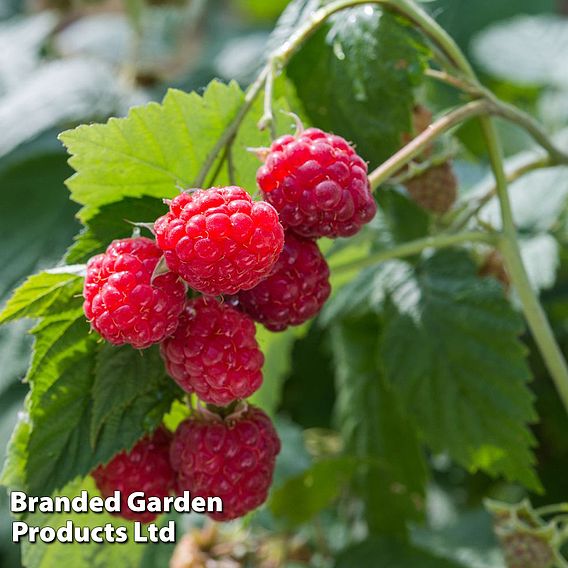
415 247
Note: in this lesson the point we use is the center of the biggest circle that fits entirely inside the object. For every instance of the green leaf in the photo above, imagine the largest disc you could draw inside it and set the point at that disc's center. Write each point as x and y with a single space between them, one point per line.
130 384
58 449
389 553
366 291
111 222
58 340
309 391
13 471
276 348
49 226
42 294
296 13
398 221
465 382
375 428
293 458
527 50
78 555
159 147
87 402
356 75
302 497
152 150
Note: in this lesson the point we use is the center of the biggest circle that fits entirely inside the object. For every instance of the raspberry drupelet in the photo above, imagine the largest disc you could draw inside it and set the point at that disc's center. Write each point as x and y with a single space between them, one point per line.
218 240
123 303
318 185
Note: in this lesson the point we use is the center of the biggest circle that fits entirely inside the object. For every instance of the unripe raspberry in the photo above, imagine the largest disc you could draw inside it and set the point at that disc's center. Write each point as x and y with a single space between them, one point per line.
318 185
145 468
214 352
123 303
231 458
220 241
434 190
494 267
526 539
295 291
526 550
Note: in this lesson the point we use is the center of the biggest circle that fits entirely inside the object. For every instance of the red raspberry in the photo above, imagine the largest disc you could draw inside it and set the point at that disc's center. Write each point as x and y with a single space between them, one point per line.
123 303
145 468
318 185
295 291
231 458
220 241
214 352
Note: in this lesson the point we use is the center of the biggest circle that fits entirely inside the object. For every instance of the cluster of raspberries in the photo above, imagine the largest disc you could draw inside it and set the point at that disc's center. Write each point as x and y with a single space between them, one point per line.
209 455
242 261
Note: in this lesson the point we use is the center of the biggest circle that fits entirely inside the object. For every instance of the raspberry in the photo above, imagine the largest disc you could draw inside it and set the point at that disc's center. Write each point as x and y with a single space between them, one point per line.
145 468
318 185
123 303
214 352
294 292
434 190
220 241
232 458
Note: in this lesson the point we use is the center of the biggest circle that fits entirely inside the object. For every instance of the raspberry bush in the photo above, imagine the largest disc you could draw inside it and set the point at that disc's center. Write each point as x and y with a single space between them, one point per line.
318 298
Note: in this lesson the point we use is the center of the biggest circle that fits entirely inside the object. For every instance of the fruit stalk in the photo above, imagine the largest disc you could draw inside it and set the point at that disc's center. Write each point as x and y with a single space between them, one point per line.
416 247
423 140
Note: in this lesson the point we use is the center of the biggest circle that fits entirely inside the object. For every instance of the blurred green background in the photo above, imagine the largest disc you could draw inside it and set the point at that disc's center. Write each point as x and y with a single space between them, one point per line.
66 62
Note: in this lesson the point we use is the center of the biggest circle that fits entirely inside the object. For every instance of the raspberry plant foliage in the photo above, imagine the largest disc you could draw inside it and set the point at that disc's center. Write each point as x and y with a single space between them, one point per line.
427 353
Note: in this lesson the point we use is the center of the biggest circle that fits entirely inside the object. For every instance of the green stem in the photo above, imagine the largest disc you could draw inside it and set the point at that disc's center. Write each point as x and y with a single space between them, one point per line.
476 204
423 140
267 119
533 311
415 247
552 509
232 129
524 120
435 33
